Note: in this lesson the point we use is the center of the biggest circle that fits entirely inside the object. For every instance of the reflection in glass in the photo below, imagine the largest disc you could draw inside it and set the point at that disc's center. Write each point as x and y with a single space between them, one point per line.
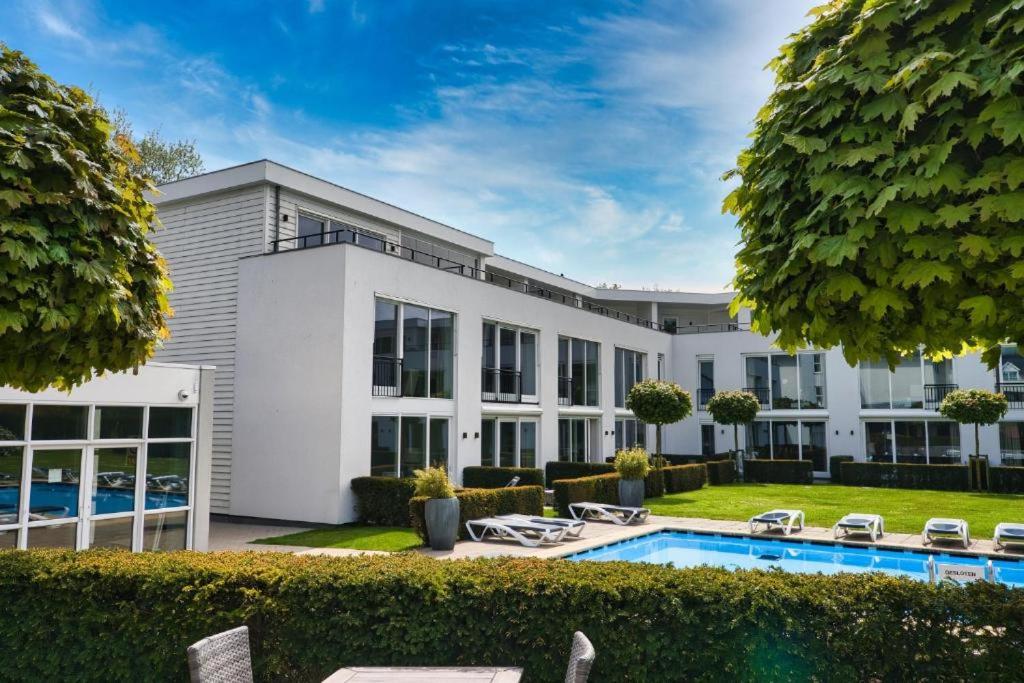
507 443
579 440
907 387
528 362
55 423
527 444
113 485
564 440
165 531
1011 364
118 422
383 446
874 384
111 533
620 388
167 475
8 539
579 380
12 422
414 445
812 380
785 445
310 232
53 536
439 442
385 330
507 361
706 377
757 372
784 383
707 440
441 354
414 345
487 358
11 460
813 445
487 438
878 438
56 481
910 442
943 443
1011 443
170 423
758 440
938 372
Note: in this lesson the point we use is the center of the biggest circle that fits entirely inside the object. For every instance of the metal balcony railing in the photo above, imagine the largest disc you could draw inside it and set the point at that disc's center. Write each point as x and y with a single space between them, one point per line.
703 396
565 387
763 395
387 376
934 393
1014 392
501 386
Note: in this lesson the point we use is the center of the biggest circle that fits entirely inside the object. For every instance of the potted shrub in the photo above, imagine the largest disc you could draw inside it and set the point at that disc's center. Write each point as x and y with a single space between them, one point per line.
633 465
441 512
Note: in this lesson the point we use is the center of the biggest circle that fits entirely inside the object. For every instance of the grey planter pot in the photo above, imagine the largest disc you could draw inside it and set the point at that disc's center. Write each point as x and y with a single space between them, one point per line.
631 492
442 518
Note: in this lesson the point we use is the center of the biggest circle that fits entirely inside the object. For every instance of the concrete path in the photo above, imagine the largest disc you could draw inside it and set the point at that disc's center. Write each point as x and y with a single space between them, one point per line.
232 536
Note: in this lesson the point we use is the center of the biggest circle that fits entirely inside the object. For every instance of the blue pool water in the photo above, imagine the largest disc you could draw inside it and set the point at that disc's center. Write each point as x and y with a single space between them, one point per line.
688 549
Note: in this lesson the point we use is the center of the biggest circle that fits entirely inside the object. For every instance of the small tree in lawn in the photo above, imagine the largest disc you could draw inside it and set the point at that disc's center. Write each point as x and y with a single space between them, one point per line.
658 402
734 408
974 406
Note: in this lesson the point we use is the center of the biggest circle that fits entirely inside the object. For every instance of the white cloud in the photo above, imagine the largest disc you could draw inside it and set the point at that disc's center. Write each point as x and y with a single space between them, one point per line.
57 26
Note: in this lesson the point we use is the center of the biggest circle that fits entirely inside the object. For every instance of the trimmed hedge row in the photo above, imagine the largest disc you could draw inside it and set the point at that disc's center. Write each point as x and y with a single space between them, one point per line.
1006 479
835 469
721 472
383 500
679 478
905 476
600 488
778 471
108 615
553 471
477 503
497 477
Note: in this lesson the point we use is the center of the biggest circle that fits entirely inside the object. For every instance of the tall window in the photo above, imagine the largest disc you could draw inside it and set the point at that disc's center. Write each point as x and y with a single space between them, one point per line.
919 442
707 440
789 440
575 437
786 382
508 442
912 384
705 380
401 444
508 364
578 372
629 433
1011 443
413 351
310 232
629 369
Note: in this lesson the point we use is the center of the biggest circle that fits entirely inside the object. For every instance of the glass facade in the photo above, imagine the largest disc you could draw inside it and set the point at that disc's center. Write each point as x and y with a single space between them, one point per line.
1011 443
574 436
580 359
509 364
933 442
630 432
785 382
509 442
789 440
707 440
905 387
629 369
413 351
401 444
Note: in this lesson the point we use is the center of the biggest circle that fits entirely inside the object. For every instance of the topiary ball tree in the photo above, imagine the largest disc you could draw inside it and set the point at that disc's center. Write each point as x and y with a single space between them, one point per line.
882 197
658 402
974 406
81 287
734 408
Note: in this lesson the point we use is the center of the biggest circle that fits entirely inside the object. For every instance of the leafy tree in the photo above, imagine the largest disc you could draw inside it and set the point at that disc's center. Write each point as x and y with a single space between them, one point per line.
162 161
81 287
658 402
974 406
733 408
882 197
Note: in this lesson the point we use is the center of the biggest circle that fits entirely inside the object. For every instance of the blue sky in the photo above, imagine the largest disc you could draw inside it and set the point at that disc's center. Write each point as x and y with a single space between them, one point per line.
585 138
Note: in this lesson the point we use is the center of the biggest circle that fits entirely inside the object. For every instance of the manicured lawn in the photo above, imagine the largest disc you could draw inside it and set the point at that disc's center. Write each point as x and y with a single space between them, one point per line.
355 536
904 510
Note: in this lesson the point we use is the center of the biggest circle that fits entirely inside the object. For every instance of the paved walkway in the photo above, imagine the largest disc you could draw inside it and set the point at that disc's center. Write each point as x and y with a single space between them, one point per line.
232 536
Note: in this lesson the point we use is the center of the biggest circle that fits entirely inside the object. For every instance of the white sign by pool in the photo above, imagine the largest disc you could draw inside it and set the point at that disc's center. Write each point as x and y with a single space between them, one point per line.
961 573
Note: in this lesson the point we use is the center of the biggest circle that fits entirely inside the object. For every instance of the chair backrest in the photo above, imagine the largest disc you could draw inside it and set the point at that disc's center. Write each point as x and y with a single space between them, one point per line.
221 658
580 659
514 481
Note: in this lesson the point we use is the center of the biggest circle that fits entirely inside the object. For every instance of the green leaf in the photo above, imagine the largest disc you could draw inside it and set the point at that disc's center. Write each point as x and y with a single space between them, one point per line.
1009 127
977 245
947 83
804 145
884 197
11 320
833 250
951 216
906 217
15 198
910 116
845 286
878 302
923 273
982 309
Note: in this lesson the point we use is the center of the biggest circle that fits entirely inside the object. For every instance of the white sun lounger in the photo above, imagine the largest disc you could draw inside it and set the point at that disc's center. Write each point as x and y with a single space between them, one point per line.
529 534
1008 534
938 528
858 523
783 519
573 527
618 514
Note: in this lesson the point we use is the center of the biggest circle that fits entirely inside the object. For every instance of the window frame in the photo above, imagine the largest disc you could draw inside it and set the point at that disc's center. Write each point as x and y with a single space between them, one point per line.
519 421
626 371
585 391
495 366
588 437
799 390
799 421
428 419
382 391
890 374
892 441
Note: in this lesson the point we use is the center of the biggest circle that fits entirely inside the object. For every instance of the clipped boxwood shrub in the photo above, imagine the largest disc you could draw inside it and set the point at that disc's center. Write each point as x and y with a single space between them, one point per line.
679 478
108 615
497 477
477 503
835 467
905 476
654 483
383 500
721 472
601 488
553 471
1006 479
778 471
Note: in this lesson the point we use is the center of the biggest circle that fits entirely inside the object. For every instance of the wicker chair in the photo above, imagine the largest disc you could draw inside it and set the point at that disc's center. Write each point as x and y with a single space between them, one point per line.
221 658
580 660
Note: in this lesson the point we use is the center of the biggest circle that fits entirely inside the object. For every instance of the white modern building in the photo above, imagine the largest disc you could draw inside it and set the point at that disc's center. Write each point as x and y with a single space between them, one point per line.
122 461
353 337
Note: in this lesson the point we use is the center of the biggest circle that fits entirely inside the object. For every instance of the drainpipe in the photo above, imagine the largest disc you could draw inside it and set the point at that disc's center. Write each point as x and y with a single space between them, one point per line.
277 215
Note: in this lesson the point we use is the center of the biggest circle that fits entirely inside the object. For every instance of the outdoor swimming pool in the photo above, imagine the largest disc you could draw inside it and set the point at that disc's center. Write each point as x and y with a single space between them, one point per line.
689 549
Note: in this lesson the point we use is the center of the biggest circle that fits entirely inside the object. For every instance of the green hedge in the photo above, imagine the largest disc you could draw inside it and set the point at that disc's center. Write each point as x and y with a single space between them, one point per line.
497 477
835 469
905 476
553 471
721 472
1006 479
114 616
383 500
778 471
601 488
679 478
477 503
